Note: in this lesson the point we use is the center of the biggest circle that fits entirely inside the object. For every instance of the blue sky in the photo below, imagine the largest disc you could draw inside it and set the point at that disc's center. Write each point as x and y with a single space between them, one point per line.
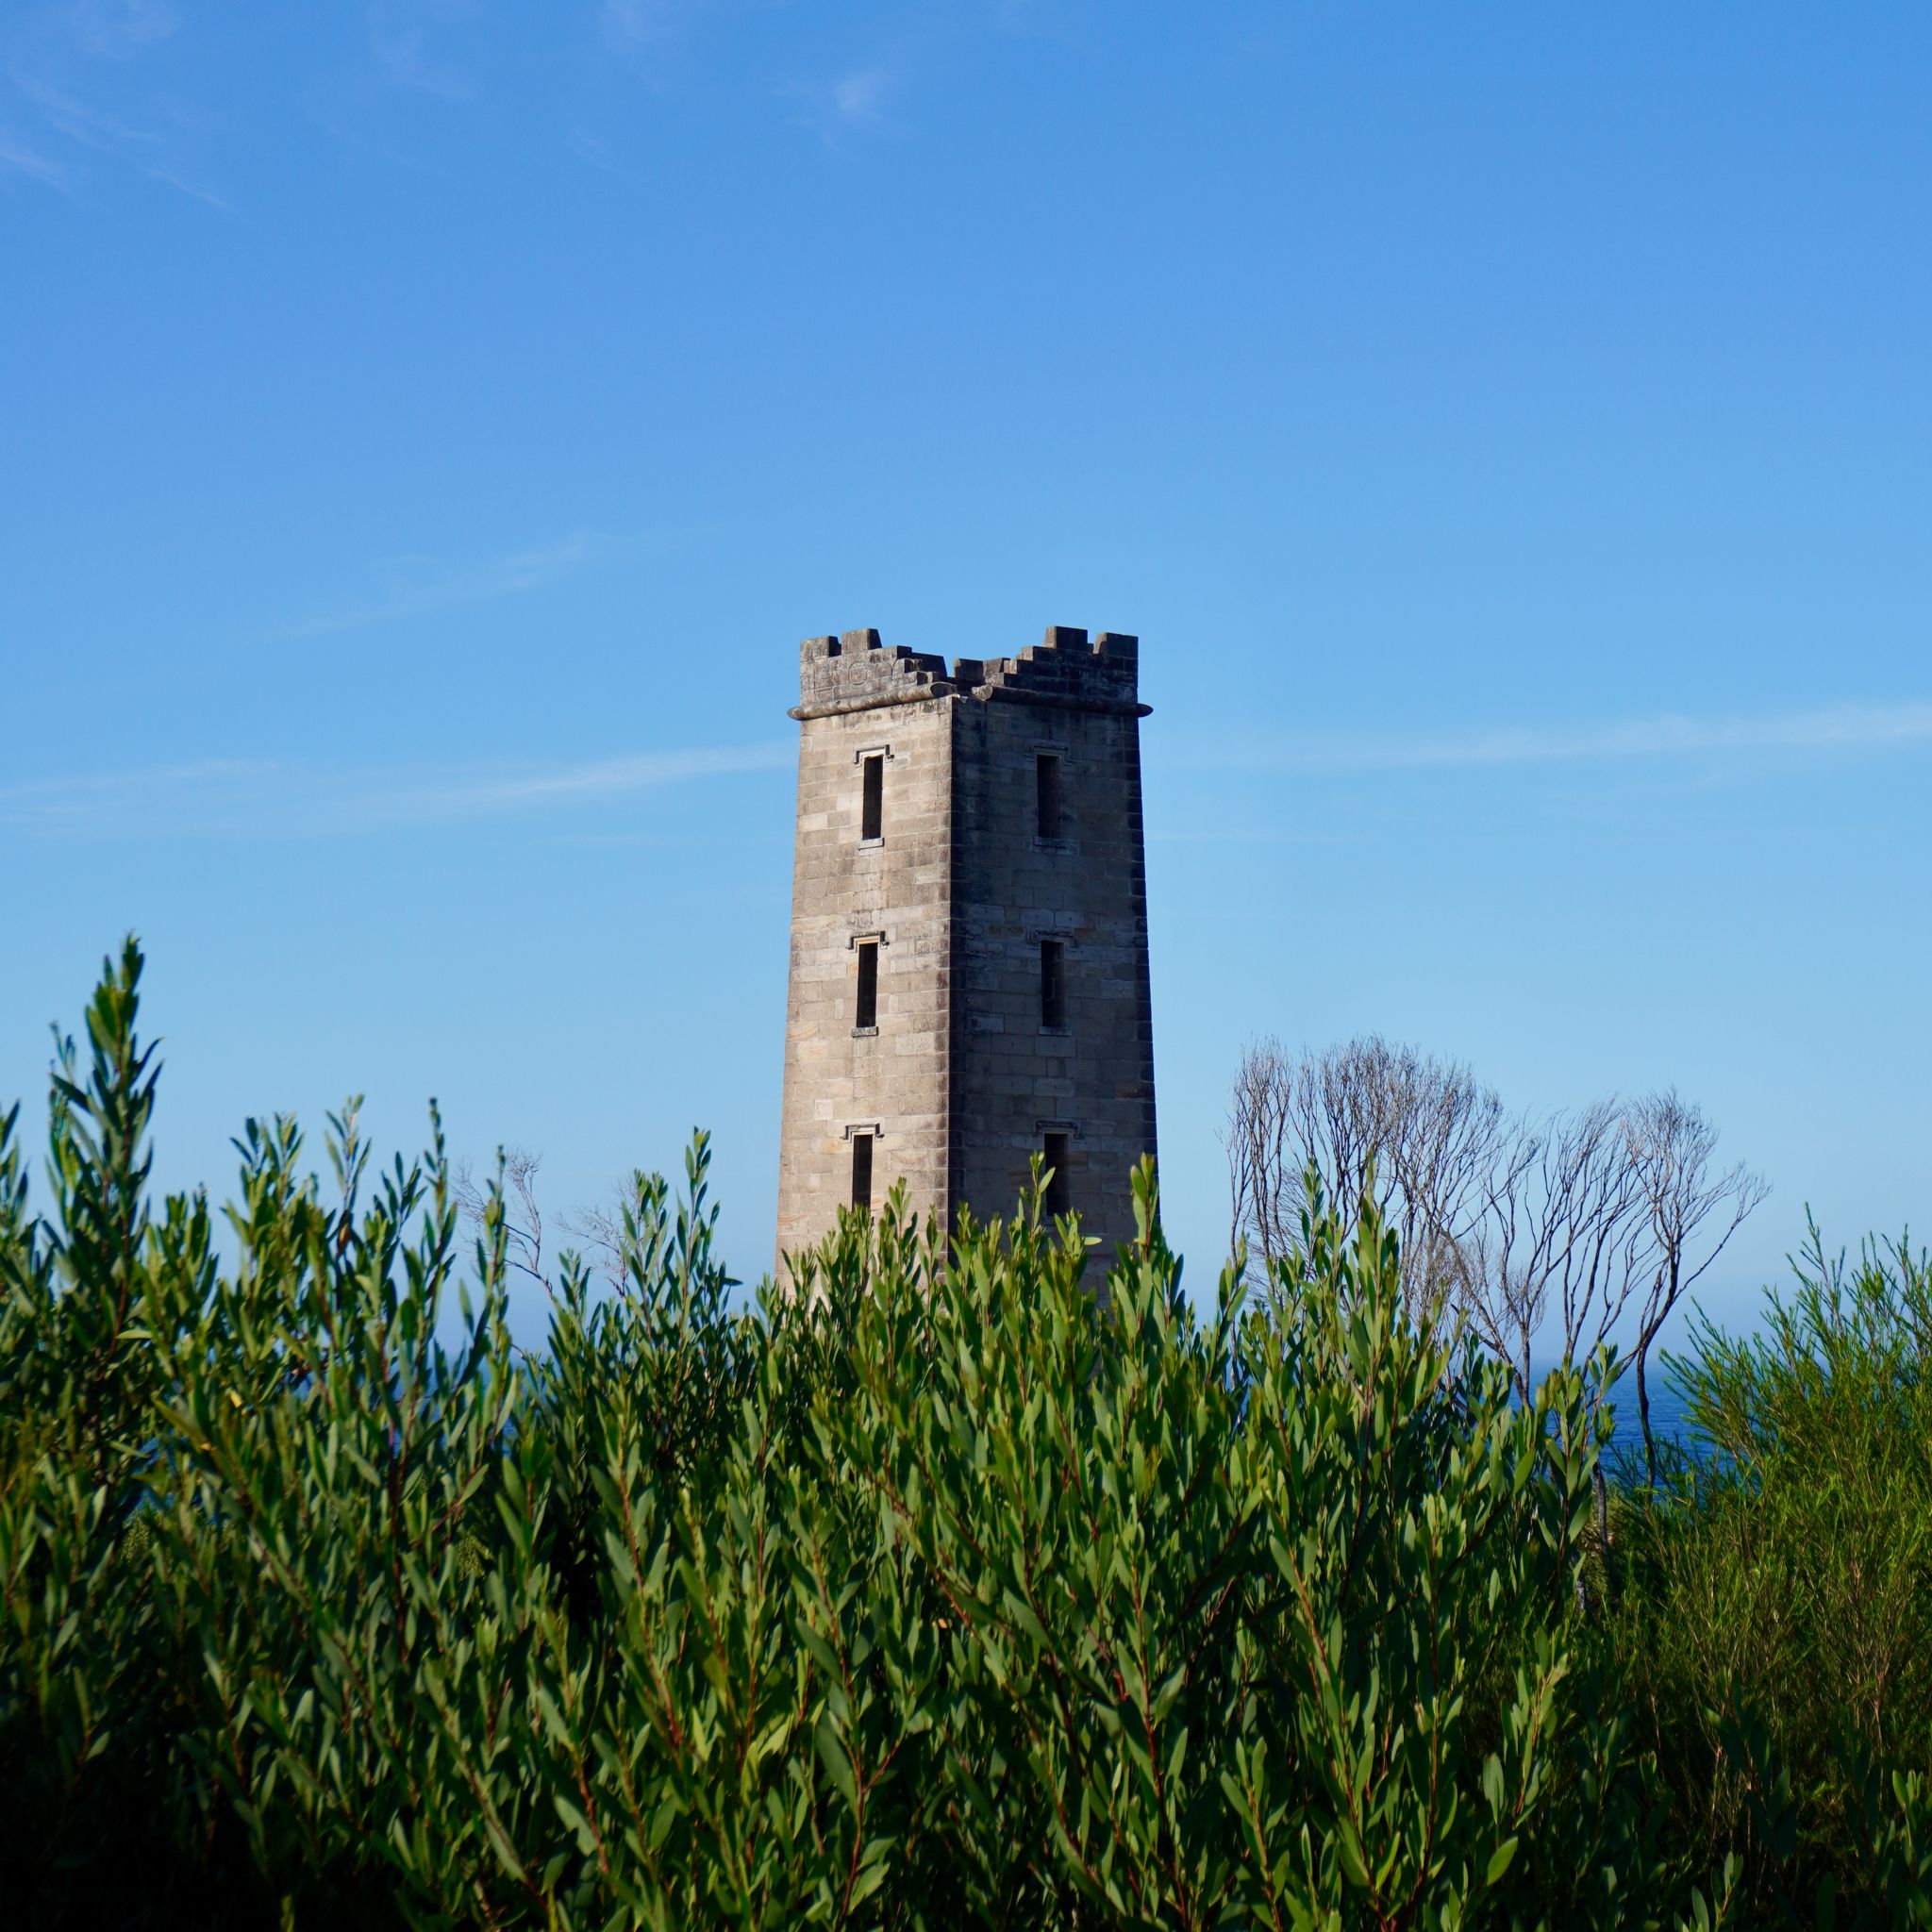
426 431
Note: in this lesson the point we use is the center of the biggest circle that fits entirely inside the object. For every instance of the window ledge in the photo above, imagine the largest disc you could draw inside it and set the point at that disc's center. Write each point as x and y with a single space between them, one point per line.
865 1033
871 845
1058 1032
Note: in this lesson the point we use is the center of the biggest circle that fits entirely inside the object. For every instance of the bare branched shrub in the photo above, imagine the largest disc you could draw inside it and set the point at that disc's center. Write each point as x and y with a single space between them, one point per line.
1692 1210
1540 1233
1418 1135
1561 1239
606 1230
523 1216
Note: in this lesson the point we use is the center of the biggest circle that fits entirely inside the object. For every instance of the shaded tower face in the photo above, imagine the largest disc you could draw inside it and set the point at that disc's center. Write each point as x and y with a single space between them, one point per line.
969 933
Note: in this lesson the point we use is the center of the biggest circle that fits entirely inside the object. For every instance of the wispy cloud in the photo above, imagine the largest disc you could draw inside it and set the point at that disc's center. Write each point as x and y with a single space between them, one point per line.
404 35
505 791
852 103
105 134
57 56
858 97
17 157
281 799
415 587
118 29
588 149
1827 728
642 22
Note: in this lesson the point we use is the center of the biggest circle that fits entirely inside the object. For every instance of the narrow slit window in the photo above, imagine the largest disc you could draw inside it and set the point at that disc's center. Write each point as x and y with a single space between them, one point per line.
872 806
1046 769
861 1171
867 1013
1052 983
1056 1155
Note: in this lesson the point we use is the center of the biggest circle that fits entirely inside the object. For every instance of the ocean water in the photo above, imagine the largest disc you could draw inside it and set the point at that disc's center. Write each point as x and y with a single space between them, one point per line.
1667 1418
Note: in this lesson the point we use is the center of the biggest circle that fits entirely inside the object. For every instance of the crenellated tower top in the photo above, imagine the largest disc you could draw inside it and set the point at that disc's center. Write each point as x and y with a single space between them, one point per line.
855 672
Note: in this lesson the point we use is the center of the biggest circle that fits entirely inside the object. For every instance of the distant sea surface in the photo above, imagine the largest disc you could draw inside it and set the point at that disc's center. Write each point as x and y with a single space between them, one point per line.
1667 1418
1668 1422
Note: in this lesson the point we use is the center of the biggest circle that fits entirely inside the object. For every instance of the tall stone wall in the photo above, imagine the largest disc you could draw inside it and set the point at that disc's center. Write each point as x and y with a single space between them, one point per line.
961 1080
1014 1078
861 699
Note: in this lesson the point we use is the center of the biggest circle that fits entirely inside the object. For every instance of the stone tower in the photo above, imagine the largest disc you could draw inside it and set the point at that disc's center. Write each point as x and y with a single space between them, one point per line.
969 933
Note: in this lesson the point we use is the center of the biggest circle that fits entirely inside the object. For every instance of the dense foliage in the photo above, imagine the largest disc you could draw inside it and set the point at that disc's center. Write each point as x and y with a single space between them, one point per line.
1775 1598
941 1591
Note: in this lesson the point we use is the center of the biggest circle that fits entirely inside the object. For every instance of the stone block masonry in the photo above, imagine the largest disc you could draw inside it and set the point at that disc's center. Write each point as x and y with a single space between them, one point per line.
976 828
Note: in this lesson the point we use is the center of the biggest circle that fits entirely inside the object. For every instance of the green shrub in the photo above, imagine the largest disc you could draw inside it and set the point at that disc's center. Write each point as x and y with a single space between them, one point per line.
1777 1604
934 1590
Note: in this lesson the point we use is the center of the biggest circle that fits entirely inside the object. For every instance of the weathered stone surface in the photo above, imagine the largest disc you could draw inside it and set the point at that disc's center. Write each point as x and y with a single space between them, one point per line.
959 1079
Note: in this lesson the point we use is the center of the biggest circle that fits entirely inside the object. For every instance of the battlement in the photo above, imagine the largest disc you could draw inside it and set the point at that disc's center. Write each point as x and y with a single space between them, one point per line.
855 672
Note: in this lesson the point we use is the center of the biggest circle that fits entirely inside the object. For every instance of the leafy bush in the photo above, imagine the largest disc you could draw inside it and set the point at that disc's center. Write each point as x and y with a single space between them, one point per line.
935 1589
1777 1607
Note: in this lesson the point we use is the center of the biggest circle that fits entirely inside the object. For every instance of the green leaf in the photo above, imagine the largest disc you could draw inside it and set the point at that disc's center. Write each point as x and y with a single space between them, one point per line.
833 1756
577 1822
